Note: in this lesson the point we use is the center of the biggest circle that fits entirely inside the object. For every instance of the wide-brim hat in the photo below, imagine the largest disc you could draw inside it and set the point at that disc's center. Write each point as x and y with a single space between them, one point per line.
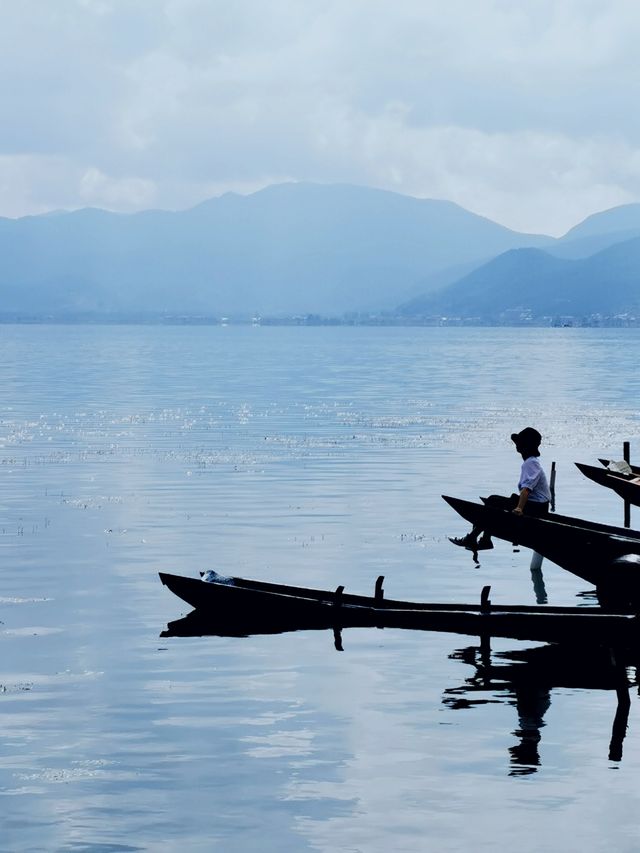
528 437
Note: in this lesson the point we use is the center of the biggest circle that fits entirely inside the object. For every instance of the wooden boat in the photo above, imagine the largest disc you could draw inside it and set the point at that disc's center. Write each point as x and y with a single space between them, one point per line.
237 606
625 485
216 592
605 556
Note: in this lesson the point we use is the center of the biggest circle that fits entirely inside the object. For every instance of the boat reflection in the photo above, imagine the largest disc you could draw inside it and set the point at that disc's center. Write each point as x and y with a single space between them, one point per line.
232 624
525 678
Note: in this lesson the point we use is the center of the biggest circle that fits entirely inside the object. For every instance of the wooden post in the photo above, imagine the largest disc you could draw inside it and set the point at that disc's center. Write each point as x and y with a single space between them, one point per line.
626 455
485 638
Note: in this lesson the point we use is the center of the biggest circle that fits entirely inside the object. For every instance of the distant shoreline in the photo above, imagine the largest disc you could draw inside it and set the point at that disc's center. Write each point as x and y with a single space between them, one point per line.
314 320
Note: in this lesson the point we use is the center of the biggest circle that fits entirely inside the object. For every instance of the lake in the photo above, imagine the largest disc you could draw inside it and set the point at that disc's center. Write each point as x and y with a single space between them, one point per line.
313 456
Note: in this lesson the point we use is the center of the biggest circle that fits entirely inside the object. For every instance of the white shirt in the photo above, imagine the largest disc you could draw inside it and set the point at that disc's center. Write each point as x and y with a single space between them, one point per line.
532 477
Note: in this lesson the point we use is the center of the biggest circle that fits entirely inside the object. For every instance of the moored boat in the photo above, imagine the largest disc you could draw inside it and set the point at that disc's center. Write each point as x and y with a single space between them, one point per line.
625 485
215 591
236 606
605 556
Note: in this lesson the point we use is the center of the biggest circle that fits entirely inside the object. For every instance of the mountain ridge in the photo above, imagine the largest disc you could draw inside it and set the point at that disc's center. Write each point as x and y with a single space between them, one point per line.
534 280
286 249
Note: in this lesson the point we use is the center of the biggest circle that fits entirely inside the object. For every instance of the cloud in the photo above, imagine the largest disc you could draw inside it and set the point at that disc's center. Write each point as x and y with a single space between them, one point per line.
120 193
523 112
522 178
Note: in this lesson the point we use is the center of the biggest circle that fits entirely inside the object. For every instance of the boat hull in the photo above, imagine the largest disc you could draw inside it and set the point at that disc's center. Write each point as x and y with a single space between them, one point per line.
246 607
595 552
621 484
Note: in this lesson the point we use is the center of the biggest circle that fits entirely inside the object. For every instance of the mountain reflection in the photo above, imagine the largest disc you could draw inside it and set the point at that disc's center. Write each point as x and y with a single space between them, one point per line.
525 678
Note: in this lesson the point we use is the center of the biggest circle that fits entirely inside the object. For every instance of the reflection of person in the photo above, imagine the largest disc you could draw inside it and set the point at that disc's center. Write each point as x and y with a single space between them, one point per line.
533 490
532 701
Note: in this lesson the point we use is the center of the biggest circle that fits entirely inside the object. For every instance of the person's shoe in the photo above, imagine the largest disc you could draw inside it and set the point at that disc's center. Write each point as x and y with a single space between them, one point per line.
468 541
484 543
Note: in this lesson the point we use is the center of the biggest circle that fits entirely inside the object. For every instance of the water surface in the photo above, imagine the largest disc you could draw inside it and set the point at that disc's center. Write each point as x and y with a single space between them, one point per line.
316 457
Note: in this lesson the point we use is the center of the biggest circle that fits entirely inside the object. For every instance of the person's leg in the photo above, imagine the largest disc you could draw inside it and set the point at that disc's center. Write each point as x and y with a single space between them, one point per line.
500 502
538 509
484 542
478 539
469 541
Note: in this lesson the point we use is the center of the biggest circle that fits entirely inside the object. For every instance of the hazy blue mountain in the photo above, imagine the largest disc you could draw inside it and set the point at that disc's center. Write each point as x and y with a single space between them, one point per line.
291 248
532 279
584 247
620 219
441 279
598 232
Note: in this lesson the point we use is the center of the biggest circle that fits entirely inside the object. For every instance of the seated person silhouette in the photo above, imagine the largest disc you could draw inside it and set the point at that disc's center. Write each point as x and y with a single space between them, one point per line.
533 495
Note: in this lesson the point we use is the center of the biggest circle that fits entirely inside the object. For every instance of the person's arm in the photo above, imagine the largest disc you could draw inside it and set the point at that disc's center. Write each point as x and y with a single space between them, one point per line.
524 497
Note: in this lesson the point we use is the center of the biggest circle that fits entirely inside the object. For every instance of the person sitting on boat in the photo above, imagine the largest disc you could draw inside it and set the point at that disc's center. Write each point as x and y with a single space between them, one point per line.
533 495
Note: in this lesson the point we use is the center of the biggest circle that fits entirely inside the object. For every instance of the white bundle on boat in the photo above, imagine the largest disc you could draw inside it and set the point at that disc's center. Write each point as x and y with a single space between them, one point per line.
620 467
213 577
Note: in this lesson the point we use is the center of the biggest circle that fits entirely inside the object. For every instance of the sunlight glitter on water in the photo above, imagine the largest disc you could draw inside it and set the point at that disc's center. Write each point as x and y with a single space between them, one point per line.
312 456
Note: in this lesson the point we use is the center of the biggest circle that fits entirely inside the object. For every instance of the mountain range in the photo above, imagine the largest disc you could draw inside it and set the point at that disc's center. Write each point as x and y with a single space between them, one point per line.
536 283
308 248
587 272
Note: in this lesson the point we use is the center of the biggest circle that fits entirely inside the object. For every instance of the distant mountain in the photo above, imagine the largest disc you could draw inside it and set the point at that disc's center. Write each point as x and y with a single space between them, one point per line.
291 248
620 219
534 280
584 247
598 232
441 279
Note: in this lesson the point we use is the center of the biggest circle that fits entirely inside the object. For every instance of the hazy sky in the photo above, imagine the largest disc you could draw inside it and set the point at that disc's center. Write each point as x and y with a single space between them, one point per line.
525 111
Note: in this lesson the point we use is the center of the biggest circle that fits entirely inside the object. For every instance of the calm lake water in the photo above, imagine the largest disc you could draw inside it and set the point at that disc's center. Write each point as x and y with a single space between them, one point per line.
316 457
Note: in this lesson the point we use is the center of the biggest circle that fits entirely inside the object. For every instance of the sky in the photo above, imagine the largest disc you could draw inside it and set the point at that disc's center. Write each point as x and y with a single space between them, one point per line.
524 111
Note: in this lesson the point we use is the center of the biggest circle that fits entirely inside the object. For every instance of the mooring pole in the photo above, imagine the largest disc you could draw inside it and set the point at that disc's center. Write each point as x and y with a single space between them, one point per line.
621 718
626 455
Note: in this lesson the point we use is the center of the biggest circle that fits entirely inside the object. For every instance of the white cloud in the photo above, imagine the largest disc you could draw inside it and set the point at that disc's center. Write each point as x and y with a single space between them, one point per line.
31 184
98 189
521 111
524 179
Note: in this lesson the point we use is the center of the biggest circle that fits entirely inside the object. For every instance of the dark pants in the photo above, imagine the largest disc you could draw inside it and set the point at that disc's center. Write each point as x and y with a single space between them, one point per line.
535 508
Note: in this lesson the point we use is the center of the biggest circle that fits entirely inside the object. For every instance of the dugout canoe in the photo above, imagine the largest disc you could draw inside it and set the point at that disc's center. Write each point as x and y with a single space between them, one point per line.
607 557
239 607
624 485
212 591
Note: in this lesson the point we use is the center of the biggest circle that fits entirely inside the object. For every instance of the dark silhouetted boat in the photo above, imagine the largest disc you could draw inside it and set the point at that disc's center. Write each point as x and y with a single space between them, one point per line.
238 607
625 485
605 556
